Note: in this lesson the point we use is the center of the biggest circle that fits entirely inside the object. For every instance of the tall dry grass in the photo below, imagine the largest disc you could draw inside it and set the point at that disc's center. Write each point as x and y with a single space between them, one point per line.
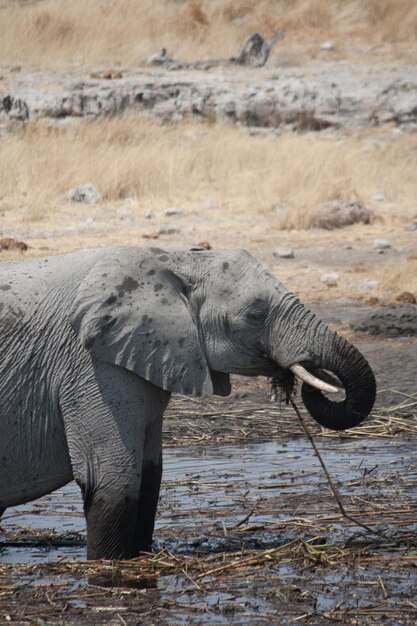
53 33
399 276
191 164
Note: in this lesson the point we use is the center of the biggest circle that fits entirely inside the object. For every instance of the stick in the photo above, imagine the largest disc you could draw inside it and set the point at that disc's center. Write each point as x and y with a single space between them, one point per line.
329 479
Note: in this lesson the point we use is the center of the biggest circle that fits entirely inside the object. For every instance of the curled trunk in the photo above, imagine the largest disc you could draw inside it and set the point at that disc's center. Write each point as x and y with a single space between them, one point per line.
298 337
356 376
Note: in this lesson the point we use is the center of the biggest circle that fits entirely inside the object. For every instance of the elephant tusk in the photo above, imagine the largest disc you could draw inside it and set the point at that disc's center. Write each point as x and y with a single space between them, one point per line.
302 374
330 378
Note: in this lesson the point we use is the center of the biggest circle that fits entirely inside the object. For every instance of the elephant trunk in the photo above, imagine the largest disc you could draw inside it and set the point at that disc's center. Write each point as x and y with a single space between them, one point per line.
356 376
313 345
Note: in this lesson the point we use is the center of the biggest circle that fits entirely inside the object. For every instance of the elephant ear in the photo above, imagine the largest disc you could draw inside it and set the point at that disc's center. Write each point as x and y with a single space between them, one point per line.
133 310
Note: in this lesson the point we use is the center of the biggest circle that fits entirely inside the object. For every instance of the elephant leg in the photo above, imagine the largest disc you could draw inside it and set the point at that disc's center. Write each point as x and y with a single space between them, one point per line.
1 512
147 505
149 490
106 420
151 468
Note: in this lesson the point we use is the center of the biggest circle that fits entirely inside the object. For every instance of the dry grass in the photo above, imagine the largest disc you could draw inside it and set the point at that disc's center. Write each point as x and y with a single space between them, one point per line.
399 276
96 32
188 165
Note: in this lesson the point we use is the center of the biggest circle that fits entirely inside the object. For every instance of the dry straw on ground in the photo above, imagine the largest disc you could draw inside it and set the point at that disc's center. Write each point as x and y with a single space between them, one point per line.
51 33
185 164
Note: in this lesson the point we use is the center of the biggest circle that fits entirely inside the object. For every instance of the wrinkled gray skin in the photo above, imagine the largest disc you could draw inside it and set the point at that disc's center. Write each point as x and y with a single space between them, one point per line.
93 344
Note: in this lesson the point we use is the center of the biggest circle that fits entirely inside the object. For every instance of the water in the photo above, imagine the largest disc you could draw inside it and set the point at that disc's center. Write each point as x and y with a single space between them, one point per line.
208 490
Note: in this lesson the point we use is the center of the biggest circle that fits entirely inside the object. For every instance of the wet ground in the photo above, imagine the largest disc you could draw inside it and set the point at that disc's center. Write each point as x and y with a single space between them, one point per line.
246 534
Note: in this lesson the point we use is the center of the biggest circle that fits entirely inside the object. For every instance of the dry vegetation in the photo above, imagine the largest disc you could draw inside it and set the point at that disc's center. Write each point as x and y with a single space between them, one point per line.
53 33
189 164
400 276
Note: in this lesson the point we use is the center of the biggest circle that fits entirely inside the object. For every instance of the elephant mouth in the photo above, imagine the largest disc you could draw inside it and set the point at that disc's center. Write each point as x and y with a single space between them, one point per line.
315 377
308 373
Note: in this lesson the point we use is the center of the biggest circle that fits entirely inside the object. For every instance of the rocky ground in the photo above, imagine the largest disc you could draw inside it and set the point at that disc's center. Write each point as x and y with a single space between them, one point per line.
315 97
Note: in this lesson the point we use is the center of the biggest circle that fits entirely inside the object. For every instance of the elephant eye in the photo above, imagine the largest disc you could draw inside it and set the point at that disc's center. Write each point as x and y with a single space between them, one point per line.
256 314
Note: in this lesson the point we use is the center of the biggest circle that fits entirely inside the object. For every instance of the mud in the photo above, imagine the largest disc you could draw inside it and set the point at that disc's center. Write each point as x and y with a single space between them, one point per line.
390 321
228 505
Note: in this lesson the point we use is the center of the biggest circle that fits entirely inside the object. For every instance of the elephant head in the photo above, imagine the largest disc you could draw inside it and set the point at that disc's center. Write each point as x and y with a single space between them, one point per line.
186 320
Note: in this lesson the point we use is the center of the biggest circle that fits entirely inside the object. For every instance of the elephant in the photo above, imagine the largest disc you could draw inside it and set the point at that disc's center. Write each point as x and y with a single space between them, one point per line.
93 344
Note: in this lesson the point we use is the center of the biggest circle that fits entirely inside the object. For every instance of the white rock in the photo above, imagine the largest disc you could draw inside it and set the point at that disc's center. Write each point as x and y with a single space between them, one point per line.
368 283
330 280
168 230
284 253
327 46
378 197
381 244
86 193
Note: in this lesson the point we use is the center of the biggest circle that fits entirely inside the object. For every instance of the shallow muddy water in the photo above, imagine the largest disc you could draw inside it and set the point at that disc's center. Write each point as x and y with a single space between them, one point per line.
208 490
226 504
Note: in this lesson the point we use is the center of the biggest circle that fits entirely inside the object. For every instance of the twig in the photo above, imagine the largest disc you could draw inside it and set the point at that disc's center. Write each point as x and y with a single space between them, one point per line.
329 478
245 519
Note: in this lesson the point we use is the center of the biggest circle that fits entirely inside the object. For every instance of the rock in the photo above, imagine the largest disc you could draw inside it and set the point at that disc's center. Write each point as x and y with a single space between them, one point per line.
330 280
390 321
378 197
410 227
172 211
150 215
381 244
327 46
8 243
406 297
168 230
340 213
15 108
366 284
319 98
284 253
86 193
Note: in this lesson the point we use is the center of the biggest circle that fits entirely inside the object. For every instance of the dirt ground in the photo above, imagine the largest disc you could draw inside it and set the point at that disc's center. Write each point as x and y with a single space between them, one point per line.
248 530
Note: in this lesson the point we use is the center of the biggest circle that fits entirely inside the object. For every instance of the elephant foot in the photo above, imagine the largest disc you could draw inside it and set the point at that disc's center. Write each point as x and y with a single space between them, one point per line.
146 548
110 529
